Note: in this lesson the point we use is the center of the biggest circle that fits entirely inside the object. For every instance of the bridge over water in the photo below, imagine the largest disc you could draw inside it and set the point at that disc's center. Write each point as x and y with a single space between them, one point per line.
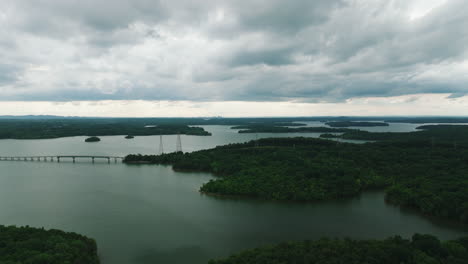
59 158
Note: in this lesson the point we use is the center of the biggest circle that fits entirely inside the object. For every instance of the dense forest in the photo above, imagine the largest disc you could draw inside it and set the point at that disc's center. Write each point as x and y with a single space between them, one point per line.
431 178
27 245
355 124
55 128
421 249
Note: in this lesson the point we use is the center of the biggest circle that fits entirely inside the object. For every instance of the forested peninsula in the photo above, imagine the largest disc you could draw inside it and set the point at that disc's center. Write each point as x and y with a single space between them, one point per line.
434 135
27 245
55 128
271 128
420 249
431 178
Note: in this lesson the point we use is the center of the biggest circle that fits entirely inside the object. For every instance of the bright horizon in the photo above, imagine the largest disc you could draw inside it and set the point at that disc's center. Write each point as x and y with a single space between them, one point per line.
184 58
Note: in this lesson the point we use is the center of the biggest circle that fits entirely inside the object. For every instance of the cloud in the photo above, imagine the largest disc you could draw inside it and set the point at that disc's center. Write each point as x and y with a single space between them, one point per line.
214 50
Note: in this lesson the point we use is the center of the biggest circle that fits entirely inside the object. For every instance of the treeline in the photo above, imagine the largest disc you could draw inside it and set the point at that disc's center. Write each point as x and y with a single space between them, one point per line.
430 179
281 129
428 135
55 128
421 249
38 246
355 124
268 124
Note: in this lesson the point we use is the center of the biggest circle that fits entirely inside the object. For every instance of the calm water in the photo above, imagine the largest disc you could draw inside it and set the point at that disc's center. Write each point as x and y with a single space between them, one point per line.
151 214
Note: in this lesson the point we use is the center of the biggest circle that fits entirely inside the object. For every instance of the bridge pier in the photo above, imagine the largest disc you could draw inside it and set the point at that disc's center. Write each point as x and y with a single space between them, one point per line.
92 159
73 159
58 159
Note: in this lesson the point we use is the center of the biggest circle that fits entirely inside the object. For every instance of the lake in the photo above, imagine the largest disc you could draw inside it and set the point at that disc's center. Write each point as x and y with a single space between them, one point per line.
151 214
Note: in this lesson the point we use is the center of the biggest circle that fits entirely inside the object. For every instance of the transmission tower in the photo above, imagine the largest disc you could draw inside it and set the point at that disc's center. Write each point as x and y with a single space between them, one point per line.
161 147
178 144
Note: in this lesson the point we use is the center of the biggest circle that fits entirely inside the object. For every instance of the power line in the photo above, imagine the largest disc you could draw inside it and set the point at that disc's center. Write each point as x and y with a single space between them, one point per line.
161 147
178 144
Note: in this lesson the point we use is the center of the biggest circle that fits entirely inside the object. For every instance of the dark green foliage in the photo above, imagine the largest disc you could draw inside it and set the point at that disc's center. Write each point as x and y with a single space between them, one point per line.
433 180
27 245
281 129
327 135
55 128
427 136
355 124
422 120
92 139
422 249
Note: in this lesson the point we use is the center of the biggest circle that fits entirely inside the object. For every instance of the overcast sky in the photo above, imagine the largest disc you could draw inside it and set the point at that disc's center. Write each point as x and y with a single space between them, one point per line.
234 58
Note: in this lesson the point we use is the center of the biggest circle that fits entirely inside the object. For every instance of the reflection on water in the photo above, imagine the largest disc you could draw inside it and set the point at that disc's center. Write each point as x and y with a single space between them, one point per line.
182 255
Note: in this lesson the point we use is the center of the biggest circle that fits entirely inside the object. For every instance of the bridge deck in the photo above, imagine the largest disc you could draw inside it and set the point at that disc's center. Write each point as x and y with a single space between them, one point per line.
58 157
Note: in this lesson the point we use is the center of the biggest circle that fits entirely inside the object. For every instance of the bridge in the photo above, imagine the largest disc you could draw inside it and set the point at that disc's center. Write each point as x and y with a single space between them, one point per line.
58 158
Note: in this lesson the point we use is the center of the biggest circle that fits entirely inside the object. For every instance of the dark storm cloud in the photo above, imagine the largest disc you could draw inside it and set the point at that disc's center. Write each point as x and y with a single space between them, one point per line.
285 16
8 73
213 50
269 57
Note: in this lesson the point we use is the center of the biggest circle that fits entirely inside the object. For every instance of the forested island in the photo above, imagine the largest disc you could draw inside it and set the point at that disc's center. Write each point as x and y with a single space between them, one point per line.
421 249
355 124
430 178
92 139
27 245
55 128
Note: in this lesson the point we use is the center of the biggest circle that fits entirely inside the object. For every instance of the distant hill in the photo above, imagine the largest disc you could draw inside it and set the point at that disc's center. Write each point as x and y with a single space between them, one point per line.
38 117
256 120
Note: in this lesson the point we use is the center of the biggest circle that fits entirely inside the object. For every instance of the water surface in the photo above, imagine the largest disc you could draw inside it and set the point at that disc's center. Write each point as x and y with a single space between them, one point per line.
151 214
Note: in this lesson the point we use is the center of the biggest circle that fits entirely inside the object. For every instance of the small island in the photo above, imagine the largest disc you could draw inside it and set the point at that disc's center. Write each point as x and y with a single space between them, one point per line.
355 124
129 137
92 139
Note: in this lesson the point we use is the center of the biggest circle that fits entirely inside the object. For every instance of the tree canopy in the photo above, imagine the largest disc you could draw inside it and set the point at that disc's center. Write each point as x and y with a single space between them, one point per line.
27 245
421 249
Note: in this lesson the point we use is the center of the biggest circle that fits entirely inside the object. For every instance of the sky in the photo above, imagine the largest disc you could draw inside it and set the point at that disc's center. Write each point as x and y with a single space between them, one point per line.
233 58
